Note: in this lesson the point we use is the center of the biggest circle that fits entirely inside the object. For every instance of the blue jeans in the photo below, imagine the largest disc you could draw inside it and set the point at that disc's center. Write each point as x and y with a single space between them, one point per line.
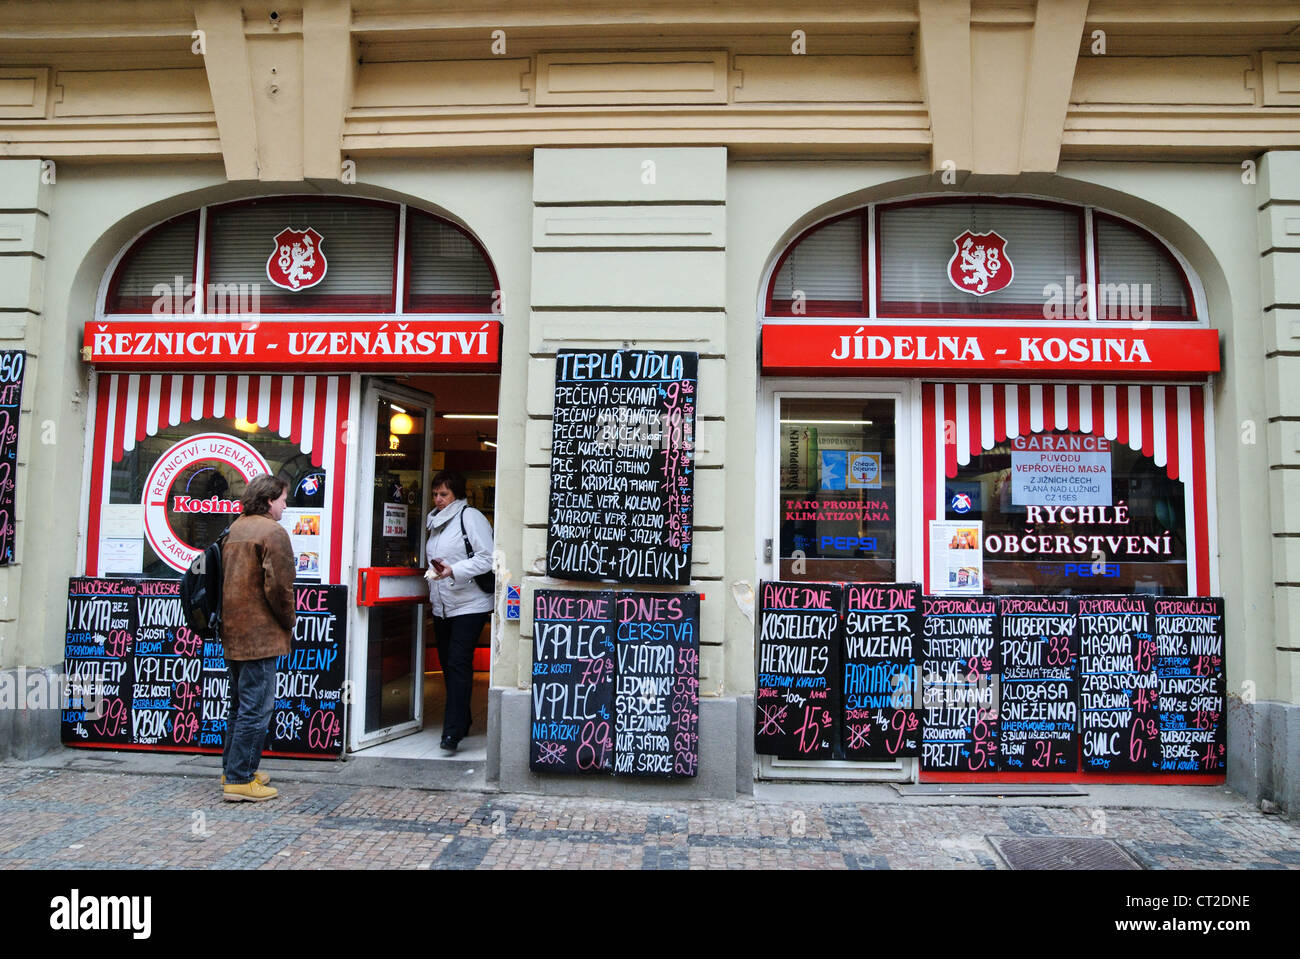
248 725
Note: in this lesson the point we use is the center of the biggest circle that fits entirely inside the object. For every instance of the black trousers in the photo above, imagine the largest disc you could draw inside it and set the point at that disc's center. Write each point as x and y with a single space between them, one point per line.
456 637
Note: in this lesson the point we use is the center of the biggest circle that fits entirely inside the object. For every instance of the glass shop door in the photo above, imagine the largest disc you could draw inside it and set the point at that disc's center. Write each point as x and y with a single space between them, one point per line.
842 505
391 592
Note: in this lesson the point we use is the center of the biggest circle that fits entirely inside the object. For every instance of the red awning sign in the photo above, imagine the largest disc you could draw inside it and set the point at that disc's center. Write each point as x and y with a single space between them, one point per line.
353 345
1115 353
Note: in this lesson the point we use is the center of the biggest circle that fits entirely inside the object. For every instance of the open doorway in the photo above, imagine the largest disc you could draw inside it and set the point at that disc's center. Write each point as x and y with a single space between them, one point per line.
463 435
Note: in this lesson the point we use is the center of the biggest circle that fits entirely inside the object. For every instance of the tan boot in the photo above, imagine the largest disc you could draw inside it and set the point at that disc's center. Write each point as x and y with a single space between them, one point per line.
248 792
258 776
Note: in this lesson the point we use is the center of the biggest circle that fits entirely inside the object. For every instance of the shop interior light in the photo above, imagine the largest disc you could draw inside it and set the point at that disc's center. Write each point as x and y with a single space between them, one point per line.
394 441
468 416
836 422
244 426
401 423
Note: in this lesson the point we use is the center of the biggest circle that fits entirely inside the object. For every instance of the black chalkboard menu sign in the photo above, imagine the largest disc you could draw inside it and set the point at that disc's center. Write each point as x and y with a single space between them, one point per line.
214 706
168 664
797 698
1192 692
573 681
99 648
308 712
657 684
622 466
166 687
1038 720
882 715
1118 684
12 364
959 650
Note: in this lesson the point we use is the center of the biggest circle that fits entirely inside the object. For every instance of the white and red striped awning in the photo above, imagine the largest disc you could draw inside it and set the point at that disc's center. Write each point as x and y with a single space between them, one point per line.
1164 423
310 411
296 407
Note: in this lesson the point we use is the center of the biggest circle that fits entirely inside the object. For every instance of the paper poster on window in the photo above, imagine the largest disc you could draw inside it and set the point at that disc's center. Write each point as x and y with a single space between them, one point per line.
122 555
304 528
395 520
864 471
1060 470
121 521
957 557
834 469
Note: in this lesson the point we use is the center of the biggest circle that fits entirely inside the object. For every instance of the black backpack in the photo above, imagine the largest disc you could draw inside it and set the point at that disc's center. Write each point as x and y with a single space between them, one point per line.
201 589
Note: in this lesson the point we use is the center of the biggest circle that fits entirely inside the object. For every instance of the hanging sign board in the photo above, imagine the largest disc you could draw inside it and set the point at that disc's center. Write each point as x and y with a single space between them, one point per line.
293 345
882 715
908 350
573 682
622 466
657 684
798 694
1118 684
12 364
961 662
98 656
1192 685
1039 708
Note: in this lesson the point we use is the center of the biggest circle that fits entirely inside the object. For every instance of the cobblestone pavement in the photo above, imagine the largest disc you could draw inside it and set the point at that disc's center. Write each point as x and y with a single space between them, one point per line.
55 818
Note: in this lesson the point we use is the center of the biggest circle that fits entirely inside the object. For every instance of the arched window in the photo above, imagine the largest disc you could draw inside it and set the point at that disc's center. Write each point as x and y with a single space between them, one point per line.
1004 258
446 272
158 261
303 254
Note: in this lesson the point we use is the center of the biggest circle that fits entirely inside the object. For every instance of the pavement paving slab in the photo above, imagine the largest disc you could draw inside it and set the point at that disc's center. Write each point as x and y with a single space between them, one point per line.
70 811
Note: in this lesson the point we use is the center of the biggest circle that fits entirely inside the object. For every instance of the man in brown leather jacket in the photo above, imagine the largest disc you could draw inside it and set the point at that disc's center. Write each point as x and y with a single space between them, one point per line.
257 623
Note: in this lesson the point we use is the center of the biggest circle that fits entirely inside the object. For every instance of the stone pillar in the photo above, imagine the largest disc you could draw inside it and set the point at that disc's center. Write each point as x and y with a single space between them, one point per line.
1269 728
25 198
629 251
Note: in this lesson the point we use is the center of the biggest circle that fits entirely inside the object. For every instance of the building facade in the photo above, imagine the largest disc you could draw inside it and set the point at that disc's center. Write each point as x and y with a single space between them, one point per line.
681 179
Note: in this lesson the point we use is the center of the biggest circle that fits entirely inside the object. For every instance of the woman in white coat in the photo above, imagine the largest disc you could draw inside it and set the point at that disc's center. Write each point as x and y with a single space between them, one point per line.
459 605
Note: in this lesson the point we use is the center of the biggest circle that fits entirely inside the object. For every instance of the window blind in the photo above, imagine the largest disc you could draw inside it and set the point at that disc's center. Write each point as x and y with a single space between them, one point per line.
157 260
358 241
916 243
826 265
445 268
1128 259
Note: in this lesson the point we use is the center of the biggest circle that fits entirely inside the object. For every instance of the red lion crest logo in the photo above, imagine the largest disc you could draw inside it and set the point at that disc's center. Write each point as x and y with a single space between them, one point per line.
297 262
980 264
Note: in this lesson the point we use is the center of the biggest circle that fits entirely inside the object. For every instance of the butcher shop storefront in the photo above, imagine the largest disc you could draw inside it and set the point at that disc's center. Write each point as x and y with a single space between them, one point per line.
987 530
350 347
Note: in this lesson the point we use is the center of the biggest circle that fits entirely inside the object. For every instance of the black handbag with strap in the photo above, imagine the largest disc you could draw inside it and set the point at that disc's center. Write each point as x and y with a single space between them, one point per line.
486 581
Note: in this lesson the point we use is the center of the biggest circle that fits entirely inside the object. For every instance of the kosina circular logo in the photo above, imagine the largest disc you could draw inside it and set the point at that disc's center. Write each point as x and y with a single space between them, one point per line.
190 478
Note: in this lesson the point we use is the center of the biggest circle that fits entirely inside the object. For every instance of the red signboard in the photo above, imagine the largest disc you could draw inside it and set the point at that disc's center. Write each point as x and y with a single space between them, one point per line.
1110 353
297 345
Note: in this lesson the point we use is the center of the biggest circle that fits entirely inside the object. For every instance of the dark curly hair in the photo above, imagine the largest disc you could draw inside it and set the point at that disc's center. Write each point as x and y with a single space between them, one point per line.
261 490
